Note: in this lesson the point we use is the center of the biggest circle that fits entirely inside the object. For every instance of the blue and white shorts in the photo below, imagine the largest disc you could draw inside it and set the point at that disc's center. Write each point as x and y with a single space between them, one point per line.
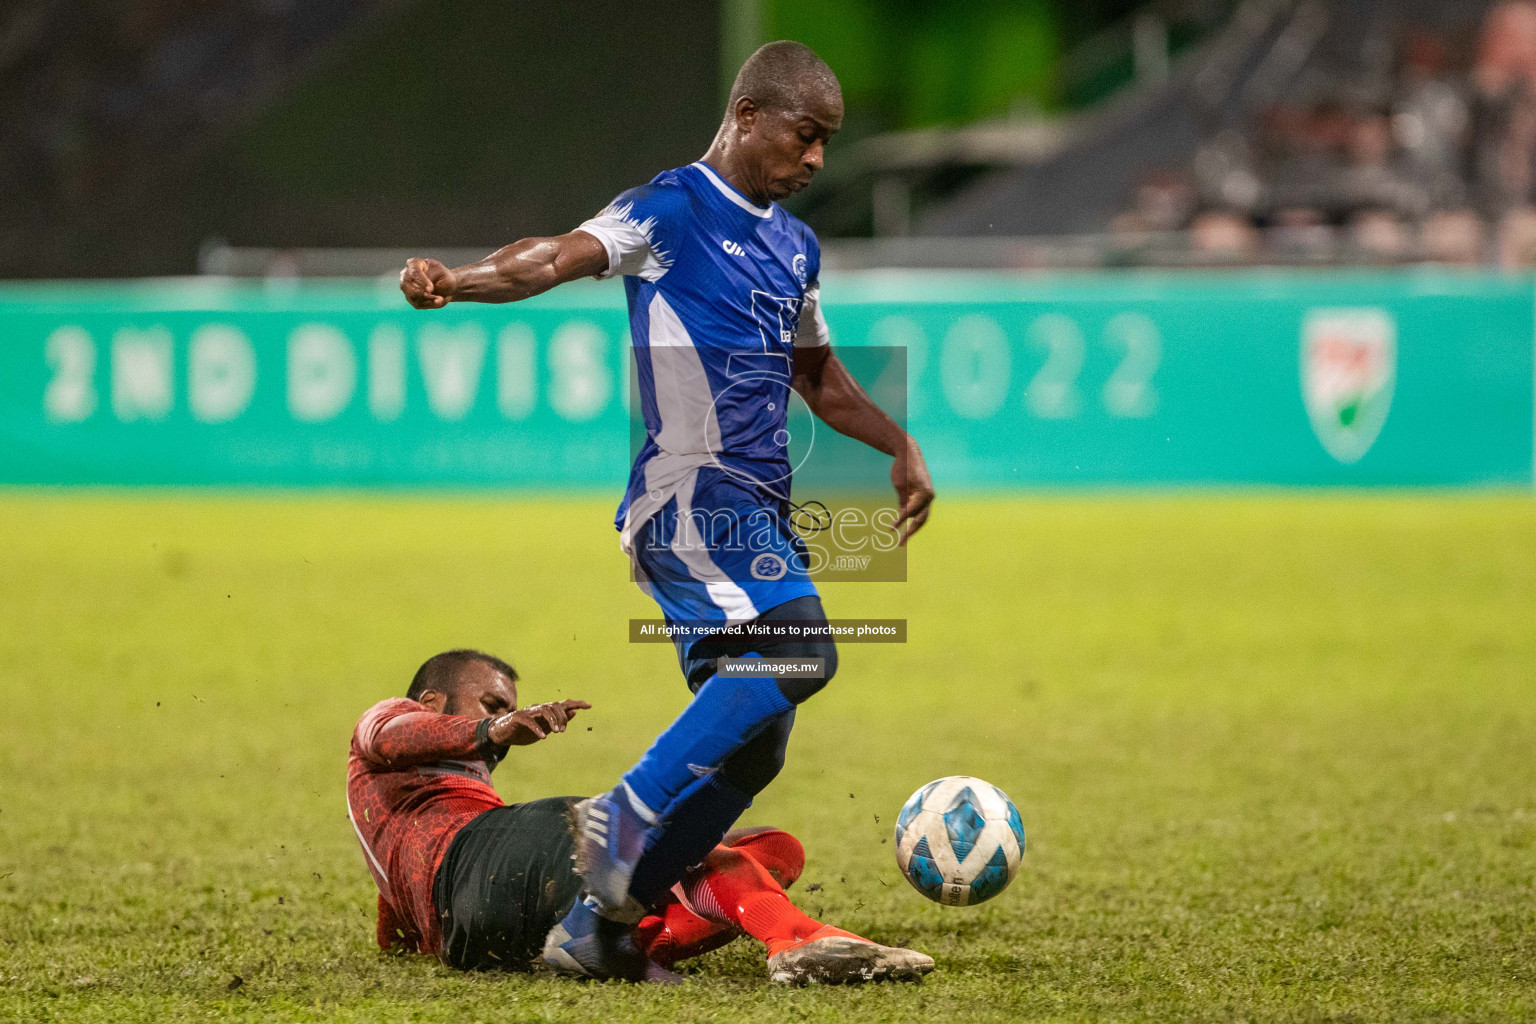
713 549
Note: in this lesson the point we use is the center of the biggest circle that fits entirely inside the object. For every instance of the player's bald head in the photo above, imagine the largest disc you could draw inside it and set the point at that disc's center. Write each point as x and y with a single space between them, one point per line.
452 671
785 76
785 105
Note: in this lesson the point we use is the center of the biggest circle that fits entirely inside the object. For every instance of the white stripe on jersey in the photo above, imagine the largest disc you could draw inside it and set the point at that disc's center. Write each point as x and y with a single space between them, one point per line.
685 403
813 331
730 193
379 875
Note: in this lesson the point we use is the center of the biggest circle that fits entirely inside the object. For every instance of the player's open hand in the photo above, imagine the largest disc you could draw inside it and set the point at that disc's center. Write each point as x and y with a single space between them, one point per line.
914 489
531 724
427 284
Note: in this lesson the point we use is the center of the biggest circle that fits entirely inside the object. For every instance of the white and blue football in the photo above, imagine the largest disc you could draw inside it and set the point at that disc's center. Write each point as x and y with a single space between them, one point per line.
959 841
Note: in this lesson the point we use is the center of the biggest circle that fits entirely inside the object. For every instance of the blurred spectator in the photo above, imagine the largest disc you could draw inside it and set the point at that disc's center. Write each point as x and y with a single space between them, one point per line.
1371 179
1375 166
1453 236
1431 121
1165 201
1506 47
1306 150
1517 239
1225 174
1504 108
1301 234
1223 236
1379 236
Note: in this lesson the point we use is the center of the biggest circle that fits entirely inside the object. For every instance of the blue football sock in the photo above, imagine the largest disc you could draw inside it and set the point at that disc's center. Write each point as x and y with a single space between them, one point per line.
699 820
724 714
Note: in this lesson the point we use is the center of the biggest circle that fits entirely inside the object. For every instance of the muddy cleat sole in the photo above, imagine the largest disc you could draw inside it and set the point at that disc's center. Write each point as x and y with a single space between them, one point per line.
844 960
609 838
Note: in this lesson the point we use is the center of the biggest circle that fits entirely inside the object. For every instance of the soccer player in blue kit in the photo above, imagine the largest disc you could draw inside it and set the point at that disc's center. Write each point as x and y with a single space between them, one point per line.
725 317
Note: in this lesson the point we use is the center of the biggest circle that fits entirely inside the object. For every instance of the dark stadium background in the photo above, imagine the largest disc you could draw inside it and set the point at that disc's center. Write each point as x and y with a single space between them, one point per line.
139 135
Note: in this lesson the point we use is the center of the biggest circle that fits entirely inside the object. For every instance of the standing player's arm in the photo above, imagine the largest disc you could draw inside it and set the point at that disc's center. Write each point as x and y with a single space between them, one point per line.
517 271
424 737
839 402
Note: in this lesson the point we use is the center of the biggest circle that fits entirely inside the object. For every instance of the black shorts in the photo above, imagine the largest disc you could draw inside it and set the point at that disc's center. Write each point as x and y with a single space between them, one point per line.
505 881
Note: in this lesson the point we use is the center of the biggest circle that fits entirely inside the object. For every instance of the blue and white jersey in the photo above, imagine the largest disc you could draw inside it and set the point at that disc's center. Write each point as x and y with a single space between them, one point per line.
721 293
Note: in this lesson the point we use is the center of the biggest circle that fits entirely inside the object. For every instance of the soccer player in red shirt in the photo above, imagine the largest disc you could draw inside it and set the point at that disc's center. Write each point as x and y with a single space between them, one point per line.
481 884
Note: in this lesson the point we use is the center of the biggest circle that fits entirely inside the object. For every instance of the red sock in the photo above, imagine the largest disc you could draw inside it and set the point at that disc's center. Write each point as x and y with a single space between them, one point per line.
775 849
734 888
676 933
737 889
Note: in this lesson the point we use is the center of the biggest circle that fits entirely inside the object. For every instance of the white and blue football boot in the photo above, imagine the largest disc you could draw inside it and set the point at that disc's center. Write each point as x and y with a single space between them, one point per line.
586 944
610 837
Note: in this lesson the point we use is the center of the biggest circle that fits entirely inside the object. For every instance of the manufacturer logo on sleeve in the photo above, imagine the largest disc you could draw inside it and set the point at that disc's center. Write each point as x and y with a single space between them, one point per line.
797 265
1348 373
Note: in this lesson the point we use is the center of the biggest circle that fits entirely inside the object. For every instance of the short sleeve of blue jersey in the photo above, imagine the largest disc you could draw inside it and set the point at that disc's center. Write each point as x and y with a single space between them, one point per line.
643 229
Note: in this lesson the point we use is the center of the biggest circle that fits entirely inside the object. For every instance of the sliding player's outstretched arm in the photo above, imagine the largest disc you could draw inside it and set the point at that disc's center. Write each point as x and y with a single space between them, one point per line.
839 402
401 733
517 271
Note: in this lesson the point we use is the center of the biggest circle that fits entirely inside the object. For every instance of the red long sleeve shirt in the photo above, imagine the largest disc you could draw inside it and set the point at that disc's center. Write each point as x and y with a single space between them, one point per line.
409 791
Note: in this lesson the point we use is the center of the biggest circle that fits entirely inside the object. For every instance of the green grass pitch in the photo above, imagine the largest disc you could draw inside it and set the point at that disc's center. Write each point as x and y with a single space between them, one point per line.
1275 754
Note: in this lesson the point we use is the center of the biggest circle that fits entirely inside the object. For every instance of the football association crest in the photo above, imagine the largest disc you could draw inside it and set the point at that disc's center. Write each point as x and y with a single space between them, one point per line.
1348 372
768 566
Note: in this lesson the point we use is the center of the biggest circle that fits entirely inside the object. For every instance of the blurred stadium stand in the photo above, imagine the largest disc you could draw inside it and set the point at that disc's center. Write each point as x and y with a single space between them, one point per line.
1352 131
274 137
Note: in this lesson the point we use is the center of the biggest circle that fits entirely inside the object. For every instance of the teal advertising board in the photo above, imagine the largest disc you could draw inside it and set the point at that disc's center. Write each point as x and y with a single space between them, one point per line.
1287 378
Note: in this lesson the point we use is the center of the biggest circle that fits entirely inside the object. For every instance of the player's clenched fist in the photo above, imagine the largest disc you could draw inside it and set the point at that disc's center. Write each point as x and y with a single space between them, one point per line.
427 284
531 724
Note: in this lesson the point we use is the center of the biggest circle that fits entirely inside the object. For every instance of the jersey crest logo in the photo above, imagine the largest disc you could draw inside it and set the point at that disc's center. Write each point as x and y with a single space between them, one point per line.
732 248
798 266
768 566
